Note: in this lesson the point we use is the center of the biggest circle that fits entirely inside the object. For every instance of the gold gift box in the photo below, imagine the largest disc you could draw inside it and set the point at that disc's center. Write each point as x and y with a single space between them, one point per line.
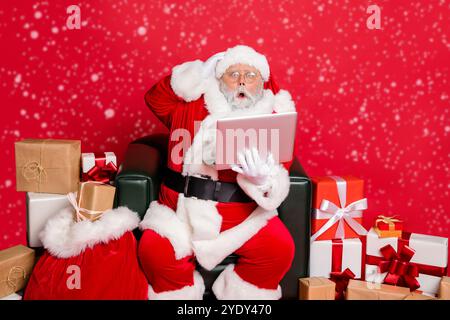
316 288
48 165
388 233
16 264
95 198
361 290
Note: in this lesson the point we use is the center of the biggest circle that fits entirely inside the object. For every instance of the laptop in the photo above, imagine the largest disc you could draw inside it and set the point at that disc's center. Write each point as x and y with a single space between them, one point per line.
274 133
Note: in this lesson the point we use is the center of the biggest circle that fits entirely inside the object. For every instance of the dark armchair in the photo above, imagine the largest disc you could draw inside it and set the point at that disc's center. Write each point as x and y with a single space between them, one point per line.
138 184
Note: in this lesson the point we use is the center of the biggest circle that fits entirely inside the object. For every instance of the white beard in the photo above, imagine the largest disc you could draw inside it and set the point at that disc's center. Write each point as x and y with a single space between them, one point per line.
238 103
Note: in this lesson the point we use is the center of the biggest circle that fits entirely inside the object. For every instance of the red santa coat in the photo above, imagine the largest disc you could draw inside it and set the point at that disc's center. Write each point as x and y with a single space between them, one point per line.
194 226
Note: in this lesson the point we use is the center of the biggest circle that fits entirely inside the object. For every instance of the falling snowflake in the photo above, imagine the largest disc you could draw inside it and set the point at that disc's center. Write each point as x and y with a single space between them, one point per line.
109 113
18 78
141 31
34 34
94 77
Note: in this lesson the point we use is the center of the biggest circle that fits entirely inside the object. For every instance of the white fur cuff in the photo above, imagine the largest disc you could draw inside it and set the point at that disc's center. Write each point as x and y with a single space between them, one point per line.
166 223
229 286
187 81
273 194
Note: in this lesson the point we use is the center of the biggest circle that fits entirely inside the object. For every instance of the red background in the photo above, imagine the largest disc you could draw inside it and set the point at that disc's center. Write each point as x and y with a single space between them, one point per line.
372 103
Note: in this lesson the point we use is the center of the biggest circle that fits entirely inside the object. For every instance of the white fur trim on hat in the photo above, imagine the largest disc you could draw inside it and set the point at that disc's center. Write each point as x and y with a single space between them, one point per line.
65 238
230 286
165 222
194 292
241 54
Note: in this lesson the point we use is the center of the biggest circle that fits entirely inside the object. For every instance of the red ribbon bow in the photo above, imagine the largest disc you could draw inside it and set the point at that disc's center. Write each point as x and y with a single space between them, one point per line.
341 279
400 271
102 171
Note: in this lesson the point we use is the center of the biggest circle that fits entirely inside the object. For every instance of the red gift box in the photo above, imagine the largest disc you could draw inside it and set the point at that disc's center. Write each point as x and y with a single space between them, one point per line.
337 208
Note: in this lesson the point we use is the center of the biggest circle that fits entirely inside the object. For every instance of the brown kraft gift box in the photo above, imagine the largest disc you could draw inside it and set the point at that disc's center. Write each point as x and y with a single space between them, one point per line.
361 290
316 288
16 264
95 198
48 165
418 296
444 289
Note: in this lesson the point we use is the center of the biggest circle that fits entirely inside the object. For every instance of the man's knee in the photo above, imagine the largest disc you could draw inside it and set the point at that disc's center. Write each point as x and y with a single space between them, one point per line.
283 248
163 271
155 251
279 246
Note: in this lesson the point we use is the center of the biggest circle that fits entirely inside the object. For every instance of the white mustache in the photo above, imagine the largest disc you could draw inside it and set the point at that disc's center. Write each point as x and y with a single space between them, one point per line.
232 96
242 89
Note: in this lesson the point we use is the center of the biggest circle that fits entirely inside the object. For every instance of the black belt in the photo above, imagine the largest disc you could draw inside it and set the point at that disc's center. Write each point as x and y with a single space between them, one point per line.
205 188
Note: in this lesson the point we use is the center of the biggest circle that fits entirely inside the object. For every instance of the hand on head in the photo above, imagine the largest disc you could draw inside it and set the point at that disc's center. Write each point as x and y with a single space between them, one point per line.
209 65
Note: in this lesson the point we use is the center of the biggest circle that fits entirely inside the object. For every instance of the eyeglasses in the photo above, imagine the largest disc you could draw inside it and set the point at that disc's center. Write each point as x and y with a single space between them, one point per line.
249 76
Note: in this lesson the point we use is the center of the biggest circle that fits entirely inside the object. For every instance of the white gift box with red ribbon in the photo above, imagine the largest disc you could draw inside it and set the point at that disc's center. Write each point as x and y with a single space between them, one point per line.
88 160
100 167
430 254
336 255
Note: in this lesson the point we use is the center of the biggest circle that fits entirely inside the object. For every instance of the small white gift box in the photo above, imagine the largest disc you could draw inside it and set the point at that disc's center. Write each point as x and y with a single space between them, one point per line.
88 159
335 255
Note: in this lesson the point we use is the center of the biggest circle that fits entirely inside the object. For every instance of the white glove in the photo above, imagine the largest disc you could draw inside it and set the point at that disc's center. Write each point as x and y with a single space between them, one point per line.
255 169
209 65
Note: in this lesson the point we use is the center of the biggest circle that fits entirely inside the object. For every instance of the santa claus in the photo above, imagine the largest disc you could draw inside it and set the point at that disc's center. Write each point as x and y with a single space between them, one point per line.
205 214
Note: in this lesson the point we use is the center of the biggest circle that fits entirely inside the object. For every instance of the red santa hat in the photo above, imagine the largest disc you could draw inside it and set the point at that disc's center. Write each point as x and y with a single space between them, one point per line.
242 54
188 79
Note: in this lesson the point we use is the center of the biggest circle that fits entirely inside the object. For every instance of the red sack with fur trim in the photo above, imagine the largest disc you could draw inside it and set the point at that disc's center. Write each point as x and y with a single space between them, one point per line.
89 260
